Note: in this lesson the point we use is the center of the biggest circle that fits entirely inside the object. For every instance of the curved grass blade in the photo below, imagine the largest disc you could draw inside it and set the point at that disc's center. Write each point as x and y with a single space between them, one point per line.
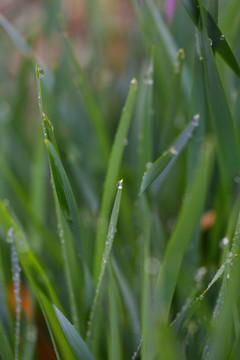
60 344
163 164
74 340
30 265
219 43
106 254
112 174
228 149
177 245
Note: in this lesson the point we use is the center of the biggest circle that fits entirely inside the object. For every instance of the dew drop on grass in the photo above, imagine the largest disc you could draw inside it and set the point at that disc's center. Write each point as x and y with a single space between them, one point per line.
120 184
16 284
196 118
211 42
222 37
41 73
173 151
148 164
225 241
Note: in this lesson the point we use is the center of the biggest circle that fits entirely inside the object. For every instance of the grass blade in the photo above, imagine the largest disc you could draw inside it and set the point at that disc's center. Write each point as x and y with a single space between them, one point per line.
106 254
74 340
162 165
112 174
5 349
222 122
180 238
219 43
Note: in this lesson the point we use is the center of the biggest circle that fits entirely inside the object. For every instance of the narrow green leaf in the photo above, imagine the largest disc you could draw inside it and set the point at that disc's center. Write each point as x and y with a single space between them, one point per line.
5 348
74 340
91 106
219 43
61 346
65 196
227 140
181 235
162 165
112 175
106 254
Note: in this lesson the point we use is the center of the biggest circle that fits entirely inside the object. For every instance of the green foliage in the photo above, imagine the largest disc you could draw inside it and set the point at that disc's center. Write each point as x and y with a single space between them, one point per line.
146 267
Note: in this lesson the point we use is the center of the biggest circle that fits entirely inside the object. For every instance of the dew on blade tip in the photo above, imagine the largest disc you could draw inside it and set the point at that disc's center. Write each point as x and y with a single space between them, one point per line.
41 73
222 37
120 184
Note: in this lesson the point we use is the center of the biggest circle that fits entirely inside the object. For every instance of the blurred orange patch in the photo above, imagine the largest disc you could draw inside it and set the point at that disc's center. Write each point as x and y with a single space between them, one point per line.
207 220
26 302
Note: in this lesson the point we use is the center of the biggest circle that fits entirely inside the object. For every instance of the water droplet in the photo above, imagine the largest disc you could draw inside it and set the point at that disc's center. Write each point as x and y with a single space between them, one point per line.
200 58
173 151
228 276
5 202
120 184
211 42
196 118
148 164
200 273
125 141
133 81
41 73
222 37
225 241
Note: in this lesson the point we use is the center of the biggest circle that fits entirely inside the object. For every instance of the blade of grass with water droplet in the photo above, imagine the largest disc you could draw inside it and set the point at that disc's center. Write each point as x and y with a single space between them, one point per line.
160 168
30 265
112 175
67 214
219 43
173 100
143 123
74 340
177 245
228 149
106 254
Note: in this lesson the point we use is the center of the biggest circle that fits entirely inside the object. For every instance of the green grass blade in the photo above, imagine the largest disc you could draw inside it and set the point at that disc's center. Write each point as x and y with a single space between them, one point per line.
5 348
30 265
115 345
219 43
65 196
106 254
181 235
112 175
143 125
162 165
128 298
74 340
61 347
222 122
91 106
173 100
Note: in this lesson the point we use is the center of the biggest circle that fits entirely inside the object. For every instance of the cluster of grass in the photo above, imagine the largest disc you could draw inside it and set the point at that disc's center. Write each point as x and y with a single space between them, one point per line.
119 211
